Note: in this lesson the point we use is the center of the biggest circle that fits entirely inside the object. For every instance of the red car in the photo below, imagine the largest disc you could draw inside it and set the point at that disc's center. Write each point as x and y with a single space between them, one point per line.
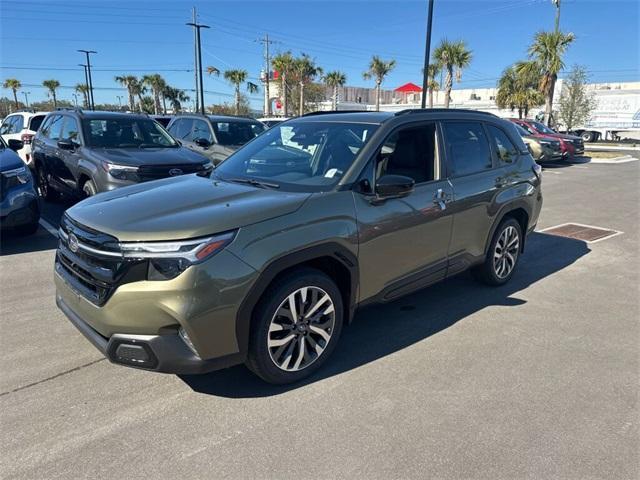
569 144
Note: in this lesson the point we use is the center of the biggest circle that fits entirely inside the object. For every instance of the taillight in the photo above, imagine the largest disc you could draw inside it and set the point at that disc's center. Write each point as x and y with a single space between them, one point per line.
26 138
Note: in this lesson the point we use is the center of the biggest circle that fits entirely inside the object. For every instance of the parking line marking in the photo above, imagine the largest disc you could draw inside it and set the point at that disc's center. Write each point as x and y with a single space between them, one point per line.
48 227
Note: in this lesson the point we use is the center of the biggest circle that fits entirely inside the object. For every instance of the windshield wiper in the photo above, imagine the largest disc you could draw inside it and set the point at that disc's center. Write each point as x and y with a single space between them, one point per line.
253 182
153 145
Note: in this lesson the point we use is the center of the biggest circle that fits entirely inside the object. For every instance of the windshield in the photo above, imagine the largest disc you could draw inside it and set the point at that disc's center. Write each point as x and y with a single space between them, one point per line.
522 131
126 133
304 156
542 128
236 133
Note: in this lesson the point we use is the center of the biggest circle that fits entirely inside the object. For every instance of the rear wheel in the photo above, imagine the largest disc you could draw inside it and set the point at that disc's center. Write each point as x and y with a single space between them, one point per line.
89 188
588 136
295 327
44 188
503 254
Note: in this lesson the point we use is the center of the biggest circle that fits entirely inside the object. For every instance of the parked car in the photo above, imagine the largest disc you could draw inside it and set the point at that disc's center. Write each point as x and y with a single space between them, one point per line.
272 121
267 268
542 147
215 136
22 126
84 153
19 209
569 144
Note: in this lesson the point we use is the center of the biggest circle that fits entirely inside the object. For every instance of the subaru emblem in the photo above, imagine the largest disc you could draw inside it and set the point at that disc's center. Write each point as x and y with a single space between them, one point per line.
73 243
174 172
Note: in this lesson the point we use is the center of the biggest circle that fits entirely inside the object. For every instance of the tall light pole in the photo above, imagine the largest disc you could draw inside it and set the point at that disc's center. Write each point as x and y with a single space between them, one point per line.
90 83
119 97
197 27
75 98
427 55
557 4
26 98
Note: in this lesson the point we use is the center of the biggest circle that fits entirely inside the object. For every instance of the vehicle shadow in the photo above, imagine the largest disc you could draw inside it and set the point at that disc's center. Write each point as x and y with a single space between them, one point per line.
12 243
415 318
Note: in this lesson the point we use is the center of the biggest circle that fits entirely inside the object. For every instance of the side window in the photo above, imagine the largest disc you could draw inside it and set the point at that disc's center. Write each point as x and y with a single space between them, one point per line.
35 122
181 129
411 152
7 126
506 151
54 129
18 124
467 148
201 130
70 130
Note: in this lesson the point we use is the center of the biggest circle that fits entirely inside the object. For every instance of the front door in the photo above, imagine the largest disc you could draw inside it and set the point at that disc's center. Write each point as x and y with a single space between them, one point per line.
404 241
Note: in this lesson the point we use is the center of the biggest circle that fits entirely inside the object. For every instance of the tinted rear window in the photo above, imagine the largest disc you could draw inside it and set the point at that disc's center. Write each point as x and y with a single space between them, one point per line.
35 122
236 133
467 147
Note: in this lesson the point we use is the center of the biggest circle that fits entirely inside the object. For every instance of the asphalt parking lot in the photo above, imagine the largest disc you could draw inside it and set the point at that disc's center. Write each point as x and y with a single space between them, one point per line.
536 379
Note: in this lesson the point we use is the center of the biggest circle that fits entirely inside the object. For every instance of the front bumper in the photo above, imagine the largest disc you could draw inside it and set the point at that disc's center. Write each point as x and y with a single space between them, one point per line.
203 301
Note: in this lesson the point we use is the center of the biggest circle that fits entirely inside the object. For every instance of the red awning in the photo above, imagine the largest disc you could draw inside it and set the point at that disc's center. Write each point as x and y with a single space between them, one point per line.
408 88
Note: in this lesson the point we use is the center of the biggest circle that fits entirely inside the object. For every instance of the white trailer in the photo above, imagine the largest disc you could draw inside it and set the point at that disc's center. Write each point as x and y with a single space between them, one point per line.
616 116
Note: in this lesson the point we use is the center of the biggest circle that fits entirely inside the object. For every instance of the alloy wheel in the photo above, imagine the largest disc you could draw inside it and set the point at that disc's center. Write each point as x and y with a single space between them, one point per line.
506 252
301 328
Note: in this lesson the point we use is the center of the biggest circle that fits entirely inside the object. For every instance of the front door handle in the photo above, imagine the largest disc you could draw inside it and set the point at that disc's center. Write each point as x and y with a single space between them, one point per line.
500 182
440 199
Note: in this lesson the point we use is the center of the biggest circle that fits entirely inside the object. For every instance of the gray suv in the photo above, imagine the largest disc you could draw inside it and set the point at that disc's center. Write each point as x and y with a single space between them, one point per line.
84 153
266 260
216 136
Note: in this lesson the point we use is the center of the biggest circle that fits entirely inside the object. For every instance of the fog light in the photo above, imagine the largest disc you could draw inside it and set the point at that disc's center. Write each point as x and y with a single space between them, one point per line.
134 354
185 338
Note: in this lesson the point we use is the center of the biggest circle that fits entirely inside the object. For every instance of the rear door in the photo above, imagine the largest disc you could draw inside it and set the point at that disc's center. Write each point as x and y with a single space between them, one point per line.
471 169
404 241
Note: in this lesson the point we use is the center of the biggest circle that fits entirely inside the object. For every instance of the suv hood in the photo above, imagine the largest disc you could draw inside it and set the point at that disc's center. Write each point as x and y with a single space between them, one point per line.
182 207
147 156
9 159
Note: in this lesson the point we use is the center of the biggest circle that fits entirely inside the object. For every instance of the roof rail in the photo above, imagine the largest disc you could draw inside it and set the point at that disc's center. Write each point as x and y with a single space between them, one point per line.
329 112
69 109
441 110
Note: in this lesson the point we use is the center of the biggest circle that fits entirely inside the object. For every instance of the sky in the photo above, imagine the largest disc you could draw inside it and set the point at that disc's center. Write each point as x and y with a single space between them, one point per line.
39 39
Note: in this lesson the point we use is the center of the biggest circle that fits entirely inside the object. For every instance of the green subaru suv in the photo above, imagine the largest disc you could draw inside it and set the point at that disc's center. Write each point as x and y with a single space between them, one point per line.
267 258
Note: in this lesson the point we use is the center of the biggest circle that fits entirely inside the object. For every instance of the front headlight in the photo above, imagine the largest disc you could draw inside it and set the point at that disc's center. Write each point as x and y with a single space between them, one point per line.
17 176
167 260
121 172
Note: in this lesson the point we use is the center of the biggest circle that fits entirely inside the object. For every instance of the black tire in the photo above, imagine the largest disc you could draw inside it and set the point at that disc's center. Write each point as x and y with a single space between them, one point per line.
44 188
89 188
28 229
259 358
488 272
588 136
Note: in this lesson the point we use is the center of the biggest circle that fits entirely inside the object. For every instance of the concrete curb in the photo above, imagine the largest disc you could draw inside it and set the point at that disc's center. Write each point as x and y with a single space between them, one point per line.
616 160
610 148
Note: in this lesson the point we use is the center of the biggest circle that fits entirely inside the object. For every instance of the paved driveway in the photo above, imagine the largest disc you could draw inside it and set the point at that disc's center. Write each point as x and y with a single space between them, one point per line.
536 379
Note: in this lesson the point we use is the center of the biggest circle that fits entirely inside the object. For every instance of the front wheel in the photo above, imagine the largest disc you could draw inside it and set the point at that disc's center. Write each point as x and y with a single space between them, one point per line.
296 327
44 187
503 254
89 188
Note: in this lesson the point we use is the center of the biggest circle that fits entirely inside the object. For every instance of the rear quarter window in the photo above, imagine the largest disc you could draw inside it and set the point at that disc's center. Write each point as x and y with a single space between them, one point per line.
503 146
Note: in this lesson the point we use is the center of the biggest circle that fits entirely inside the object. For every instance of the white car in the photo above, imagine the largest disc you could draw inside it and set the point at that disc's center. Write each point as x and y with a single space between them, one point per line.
271 121
22 126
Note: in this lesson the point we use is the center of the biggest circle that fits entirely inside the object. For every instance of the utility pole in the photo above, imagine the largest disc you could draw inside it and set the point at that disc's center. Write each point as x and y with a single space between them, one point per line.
26 98
197 26
267 60
195 57
557 4
89 82
427 54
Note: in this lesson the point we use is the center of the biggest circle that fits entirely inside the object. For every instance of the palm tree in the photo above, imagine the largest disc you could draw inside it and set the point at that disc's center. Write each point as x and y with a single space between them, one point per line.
452 55
432 84
305 71
52 86
237 78
518 89
334 80
546 53
175 96
157 85
138 89
15 85
129 82
84 90
283 64
378 70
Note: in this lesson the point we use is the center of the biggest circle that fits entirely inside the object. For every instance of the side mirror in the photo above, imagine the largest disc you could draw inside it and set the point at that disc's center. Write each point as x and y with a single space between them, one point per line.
15 144
393 186
202 142
67 144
